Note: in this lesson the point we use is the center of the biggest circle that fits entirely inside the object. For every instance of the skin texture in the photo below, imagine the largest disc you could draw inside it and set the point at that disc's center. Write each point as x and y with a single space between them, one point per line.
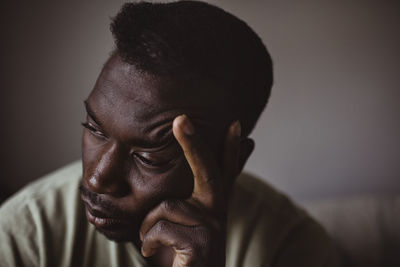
155 177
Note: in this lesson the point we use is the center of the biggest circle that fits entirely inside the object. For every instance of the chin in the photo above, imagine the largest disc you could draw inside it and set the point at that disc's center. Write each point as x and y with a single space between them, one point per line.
114 228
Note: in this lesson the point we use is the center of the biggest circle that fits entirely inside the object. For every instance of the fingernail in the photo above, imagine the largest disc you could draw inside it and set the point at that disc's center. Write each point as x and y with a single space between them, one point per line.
149 252
143 252
186 125
237 128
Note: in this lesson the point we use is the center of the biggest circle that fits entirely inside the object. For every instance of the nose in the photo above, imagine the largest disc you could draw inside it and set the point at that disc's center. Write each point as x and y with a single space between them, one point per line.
108 175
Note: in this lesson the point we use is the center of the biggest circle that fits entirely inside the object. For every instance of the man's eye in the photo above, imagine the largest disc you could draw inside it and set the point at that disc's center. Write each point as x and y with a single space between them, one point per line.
93 130
149 162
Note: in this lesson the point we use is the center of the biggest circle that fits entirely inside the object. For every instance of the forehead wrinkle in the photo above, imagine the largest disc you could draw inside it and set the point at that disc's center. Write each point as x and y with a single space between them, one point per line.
140 103
144 123
126 77
115 96
147 108
155 93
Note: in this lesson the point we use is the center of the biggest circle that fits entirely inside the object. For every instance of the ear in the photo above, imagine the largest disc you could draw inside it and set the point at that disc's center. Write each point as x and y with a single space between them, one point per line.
246 148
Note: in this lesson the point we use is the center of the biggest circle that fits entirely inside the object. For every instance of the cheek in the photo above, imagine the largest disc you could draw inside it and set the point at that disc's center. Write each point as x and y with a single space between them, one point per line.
99 158
177 182
86 154
147 188
90 150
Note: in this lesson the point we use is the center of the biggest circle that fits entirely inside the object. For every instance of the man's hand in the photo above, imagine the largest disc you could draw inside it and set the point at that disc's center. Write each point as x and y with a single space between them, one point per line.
195 228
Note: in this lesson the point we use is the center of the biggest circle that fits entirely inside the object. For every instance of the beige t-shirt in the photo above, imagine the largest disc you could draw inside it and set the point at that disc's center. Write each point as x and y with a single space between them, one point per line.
45 225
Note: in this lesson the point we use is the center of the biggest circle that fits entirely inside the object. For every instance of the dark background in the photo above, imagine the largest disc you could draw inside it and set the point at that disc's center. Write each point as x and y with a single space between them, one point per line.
332 126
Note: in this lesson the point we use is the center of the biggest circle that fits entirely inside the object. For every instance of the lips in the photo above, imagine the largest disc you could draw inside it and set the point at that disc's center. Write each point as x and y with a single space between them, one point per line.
104 220
105 223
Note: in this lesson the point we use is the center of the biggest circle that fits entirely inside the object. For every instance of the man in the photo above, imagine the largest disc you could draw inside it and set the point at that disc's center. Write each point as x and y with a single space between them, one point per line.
166 137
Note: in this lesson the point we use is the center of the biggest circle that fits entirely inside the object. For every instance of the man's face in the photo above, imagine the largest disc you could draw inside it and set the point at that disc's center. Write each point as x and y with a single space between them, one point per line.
131 160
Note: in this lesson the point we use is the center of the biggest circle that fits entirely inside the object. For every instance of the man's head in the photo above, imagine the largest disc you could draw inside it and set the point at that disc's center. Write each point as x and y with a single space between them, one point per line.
196 41
170 59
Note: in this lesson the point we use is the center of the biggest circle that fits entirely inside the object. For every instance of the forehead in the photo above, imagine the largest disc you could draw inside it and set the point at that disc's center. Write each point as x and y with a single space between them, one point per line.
125 97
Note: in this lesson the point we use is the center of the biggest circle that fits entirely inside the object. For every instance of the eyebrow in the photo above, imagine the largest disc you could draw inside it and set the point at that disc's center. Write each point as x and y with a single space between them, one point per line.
91 114
164 136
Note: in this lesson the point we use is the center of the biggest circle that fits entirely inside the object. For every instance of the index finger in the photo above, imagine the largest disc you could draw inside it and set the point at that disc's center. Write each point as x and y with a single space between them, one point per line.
200 159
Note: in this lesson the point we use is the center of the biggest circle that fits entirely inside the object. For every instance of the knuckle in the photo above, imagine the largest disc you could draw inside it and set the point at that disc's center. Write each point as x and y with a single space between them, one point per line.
202 239
161 226
169 206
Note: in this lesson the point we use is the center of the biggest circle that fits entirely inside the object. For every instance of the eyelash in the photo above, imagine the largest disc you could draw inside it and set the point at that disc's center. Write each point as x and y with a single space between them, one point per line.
147 161
144 160
93 130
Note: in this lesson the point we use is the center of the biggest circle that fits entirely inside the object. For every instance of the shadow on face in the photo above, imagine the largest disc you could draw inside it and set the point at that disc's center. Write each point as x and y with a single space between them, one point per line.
131 160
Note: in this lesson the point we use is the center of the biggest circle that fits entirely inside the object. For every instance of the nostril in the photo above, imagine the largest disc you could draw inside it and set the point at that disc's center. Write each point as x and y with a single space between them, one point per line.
108 183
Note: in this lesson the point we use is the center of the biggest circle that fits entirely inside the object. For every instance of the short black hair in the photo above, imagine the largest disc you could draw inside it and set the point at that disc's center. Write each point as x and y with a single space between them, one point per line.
196 38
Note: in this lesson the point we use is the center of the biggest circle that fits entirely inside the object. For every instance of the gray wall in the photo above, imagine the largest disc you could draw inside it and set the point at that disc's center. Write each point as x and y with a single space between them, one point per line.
331 127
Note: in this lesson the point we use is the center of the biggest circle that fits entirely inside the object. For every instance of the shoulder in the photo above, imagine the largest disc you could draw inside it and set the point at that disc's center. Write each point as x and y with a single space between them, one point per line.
48 186
265 228
255 203
45 193
41 205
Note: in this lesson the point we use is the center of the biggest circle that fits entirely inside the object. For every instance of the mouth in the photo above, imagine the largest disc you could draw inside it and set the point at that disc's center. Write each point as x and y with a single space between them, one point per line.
105 223
103 219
